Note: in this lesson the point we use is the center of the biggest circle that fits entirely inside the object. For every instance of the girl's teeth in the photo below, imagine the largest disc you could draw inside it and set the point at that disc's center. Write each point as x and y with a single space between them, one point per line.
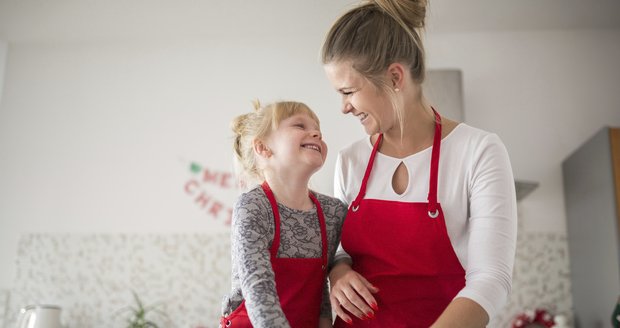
312 147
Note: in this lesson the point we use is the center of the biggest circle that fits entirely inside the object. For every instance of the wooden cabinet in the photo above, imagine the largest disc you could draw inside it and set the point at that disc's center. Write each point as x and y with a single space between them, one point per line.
592 195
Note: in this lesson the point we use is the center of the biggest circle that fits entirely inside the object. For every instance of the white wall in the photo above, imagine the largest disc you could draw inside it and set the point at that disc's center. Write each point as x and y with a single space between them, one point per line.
3 52
98 136
544 93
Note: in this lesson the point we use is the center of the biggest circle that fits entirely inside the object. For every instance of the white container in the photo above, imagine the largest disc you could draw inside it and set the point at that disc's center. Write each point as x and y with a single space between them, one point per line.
39 316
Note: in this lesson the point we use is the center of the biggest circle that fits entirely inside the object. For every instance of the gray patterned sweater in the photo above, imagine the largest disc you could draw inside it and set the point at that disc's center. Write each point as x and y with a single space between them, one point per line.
252 235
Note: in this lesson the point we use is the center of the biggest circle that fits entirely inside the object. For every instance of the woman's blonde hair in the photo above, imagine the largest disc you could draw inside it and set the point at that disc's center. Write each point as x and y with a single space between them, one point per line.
258 125
376 34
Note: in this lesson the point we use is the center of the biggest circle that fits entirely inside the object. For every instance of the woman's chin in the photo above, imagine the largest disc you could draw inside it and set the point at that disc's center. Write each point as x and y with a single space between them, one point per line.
371 131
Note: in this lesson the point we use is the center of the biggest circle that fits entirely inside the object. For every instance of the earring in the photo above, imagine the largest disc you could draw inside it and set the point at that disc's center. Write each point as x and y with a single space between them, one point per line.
396 89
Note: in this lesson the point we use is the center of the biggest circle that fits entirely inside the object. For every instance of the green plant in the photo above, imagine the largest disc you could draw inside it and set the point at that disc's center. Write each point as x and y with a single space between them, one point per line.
138 313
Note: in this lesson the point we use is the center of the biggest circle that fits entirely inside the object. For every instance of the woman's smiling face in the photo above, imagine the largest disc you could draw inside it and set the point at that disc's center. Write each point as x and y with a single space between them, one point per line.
361 98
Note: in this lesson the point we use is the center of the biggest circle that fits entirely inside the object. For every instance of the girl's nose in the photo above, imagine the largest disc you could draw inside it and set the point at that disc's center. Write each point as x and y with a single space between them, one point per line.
317 134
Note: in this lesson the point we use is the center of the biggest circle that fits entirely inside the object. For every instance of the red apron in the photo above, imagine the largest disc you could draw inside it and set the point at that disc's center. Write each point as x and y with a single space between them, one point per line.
403 249
299 281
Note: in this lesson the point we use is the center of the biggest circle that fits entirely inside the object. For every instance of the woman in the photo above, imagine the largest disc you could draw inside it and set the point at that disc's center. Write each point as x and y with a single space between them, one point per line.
429 239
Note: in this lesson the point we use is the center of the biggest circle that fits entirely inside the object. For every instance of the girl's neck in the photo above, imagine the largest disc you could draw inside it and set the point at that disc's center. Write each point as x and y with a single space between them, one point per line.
290 191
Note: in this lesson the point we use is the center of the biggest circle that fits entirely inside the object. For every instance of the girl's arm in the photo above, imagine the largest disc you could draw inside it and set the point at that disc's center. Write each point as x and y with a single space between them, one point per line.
325 322
326 309
252 234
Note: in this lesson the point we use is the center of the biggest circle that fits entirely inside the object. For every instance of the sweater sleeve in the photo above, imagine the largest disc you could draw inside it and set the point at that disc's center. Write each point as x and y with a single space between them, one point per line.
252 235
337 213
326 305
492 226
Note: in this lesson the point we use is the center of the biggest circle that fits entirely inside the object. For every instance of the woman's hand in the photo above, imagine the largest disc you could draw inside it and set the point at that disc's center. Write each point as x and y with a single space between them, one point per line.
351 291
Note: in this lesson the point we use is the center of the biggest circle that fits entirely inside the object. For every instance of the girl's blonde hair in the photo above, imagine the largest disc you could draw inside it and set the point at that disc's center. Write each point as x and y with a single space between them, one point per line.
376 34
258 125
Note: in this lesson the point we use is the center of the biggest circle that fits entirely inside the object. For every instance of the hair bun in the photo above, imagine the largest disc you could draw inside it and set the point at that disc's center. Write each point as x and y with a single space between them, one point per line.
410 12
256 104
238 124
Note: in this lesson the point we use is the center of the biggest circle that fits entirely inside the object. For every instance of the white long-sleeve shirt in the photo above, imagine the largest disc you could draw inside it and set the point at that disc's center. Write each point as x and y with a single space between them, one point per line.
476 192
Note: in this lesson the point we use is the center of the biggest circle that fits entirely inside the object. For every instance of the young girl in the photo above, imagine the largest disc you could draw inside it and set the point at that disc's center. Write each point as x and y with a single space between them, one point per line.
284 236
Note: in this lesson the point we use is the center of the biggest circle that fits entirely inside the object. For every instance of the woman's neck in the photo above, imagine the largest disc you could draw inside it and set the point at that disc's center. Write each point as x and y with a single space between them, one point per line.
417 132
291 191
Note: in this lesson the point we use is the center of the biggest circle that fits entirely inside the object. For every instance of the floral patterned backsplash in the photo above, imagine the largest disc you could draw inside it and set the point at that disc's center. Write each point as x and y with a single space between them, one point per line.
92 276
541 277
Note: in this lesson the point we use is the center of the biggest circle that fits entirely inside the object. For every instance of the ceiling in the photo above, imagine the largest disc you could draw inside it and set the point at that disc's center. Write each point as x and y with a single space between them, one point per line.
35 20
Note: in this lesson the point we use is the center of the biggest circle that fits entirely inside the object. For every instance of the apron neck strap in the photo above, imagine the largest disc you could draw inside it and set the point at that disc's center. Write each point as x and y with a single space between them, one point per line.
360 195
319 212
432 187
275 245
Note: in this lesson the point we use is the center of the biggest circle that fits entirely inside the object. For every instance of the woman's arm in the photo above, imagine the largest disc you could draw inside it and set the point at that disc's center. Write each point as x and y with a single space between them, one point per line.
346 284
346 288
463 313
492 238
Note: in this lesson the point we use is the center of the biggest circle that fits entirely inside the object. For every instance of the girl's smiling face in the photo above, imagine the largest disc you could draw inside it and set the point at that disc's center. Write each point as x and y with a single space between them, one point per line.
297 143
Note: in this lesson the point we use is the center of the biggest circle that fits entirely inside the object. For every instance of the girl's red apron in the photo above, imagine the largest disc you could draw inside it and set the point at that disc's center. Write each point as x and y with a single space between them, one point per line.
299 281
404 250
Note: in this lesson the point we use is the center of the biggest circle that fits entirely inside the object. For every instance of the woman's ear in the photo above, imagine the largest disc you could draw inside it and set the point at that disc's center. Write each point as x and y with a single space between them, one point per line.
396 75
261 149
